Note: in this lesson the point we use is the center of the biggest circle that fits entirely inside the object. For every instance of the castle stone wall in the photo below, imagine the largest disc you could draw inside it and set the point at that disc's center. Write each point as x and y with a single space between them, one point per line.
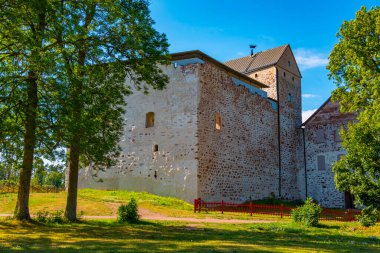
322 139
237 162
172 170
290 133
268 77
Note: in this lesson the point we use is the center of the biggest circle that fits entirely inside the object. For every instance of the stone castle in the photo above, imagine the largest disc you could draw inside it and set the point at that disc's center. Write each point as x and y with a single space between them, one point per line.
228 131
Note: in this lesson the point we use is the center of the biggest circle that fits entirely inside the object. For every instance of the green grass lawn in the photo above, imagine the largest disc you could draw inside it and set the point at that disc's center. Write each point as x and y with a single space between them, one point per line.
108 236
105 203
159 236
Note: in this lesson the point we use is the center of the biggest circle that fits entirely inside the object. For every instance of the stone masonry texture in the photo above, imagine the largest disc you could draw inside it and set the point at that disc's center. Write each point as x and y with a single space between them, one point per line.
173 144
322 140
236 162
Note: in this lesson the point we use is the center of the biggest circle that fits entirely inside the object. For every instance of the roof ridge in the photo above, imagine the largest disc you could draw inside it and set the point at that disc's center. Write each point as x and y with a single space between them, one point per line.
285 46
261 52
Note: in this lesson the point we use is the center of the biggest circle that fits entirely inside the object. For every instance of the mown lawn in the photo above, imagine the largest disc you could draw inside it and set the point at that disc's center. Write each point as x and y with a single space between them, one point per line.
108 236
105 203
159 236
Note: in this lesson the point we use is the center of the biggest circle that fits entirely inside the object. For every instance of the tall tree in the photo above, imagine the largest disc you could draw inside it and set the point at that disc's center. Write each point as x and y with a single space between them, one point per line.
102 43
355 66
26 64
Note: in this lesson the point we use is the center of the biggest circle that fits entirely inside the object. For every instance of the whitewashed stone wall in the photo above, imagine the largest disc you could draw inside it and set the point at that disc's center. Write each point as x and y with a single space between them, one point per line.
172 170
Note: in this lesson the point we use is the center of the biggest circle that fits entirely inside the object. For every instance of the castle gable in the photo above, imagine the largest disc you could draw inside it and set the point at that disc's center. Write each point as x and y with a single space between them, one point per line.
329 113
288 62
281 56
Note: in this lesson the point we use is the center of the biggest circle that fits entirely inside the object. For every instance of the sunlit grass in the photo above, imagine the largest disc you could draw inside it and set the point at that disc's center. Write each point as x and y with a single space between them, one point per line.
105 203
108 236
168 236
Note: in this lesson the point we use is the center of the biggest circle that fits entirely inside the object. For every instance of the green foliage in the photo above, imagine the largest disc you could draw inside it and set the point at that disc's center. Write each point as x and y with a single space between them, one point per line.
128 213
55 178
355 67
49 175
8 182
63 66
308 214
103 42
50 217
100 44
369 216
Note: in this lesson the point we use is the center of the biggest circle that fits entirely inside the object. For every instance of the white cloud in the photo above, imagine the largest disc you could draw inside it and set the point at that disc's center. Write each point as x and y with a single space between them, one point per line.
310 95
306 114
307 59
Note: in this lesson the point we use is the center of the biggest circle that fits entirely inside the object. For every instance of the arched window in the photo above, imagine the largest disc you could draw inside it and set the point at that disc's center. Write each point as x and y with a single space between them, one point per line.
149 120
155 148
218 121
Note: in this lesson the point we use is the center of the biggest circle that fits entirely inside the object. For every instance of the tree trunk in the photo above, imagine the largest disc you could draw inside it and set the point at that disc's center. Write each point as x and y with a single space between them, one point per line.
75 143
22 207
72 189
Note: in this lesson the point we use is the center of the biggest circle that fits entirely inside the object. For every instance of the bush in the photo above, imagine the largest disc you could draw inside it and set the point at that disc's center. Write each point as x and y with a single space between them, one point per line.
42 216
308 214
128 213
50 217
369 216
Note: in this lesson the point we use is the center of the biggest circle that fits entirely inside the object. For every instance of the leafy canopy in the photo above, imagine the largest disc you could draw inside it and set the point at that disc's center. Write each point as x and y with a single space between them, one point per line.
355 67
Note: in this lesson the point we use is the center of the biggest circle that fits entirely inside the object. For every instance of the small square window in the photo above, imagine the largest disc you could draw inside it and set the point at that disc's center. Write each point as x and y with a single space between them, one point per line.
321 162
289 97
320 136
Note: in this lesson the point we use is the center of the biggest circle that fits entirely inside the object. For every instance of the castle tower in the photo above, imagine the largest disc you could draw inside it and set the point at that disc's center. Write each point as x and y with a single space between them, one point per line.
278 69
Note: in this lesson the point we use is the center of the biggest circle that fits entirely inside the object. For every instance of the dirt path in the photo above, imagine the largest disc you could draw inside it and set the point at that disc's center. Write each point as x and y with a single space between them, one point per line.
145 214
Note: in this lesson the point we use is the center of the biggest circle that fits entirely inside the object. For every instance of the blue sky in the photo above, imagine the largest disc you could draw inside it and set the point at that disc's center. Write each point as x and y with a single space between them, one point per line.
225 29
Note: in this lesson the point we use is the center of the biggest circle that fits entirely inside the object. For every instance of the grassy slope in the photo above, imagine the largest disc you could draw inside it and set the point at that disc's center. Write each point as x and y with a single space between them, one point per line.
104 203
106 236
91 202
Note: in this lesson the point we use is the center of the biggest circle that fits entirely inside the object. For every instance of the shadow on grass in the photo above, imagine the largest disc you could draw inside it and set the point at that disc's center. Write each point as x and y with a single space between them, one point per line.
107 236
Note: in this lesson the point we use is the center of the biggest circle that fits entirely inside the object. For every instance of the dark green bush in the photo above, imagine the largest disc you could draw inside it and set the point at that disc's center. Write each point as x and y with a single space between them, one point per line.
42 216
50 217
369 216
307 214
128 213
